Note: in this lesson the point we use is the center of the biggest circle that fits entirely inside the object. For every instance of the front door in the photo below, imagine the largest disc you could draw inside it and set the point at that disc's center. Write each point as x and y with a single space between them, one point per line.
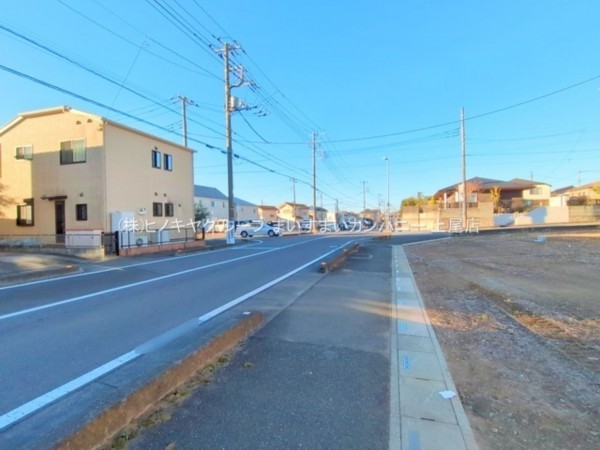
59 217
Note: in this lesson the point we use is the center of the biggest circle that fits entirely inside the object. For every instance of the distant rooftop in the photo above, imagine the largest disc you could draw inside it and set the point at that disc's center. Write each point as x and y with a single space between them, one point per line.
208 192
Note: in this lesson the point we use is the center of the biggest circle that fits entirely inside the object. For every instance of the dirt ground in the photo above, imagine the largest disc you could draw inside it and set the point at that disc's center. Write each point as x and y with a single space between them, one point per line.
518 318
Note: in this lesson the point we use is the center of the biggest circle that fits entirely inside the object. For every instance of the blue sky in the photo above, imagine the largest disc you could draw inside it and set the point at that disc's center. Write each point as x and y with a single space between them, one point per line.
371 78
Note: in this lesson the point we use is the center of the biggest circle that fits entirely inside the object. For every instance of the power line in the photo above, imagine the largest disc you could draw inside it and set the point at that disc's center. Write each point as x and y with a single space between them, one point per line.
203 71
252 128
211 18
175 19
80 65
454 122
131 116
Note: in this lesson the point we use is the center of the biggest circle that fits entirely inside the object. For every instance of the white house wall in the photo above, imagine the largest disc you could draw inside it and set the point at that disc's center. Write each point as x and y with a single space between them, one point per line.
217 208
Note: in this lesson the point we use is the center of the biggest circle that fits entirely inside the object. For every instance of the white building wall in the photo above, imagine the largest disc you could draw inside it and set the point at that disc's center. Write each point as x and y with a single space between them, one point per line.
217 207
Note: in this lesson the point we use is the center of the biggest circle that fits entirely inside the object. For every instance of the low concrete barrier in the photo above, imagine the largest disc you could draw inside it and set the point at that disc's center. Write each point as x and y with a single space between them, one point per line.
99 432
338 260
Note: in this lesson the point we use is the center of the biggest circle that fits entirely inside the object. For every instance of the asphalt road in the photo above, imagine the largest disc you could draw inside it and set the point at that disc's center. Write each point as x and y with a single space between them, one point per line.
59 335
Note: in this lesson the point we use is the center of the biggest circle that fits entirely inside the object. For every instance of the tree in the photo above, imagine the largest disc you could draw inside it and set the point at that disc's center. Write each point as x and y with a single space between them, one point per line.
201 212
410 201
419 201
496 197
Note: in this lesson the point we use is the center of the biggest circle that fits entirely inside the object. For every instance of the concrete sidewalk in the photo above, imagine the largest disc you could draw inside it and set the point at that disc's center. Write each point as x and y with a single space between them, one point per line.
21 267
352 363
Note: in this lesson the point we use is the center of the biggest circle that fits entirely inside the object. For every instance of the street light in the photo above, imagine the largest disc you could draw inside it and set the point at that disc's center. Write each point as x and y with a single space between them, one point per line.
387 209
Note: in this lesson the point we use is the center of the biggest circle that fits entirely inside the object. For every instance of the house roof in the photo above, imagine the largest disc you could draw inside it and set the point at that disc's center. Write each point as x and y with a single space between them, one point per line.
208 192
298 205
490 183
517 185
477 180
215 194
561 191
268 207
240 202
522 180
591 185
67 109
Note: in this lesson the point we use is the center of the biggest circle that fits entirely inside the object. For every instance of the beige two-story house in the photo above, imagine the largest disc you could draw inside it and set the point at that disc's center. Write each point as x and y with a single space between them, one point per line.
63 169
268 213
293 212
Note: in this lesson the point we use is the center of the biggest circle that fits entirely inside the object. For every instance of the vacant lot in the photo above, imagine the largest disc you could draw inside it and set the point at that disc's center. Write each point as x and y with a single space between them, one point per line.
518 318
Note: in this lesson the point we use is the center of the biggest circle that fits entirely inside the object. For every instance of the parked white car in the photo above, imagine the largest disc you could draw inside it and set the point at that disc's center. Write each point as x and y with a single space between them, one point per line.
257 229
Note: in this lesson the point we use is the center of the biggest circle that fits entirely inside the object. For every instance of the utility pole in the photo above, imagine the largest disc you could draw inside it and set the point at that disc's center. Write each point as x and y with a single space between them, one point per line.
184 101
387 209
294 192
464 166
314 164
364 198
229 108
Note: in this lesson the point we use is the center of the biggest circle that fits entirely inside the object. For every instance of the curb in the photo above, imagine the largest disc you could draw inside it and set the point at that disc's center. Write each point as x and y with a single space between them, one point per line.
100 431
338 260
409 438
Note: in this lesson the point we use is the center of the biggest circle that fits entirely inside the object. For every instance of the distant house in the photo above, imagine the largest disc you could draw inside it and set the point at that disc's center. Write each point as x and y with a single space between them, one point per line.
373 214
245 210
217 204
484 199
268 213
212 199
347 217
588 194
70 171
534 194
320 216
332 217
287 210
516 194
560 197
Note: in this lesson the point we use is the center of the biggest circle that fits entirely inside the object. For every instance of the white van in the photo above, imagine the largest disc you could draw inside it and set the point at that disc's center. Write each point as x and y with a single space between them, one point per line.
221 226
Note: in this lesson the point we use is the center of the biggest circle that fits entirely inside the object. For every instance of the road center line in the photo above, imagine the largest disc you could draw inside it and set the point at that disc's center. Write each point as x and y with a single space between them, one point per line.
140 283
145 263
45 399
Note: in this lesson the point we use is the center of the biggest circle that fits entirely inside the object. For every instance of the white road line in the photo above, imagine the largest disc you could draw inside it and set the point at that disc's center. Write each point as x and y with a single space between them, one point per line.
110 269
43 400
139 283
258 290
145 263
18 413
